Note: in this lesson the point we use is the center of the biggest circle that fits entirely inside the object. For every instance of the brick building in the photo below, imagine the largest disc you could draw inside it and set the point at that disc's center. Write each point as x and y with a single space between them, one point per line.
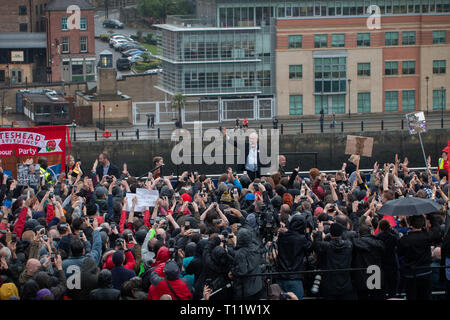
70 52
22 15
340 65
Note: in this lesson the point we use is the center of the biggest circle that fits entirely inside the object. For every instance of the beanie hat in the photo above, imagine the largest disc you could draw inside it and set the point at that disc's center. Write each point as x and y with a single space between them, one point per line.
318 211
171 270
140 236
118 258
43 292
186 197
336 230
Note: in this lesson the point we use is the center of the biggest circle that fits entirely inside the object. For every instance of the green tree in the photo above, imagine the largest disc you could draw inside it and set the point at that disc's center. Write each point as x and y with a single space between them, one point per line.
178 102
162 8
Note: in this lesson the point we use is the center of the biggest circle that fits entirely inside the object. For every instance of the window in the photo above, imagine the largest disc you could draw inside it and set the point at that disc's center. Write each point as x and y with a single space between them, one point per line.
391 101
295 105
65 45
295 41
330 74
2 75
439 98
90 70
409 100
22 10
391 68
338 40
409 67
320 41
364 69
295 71
439 66
83 44
363 102
338 103
83 24
23 27
321 101
37 12
408 37
391 38
363 40
64 24
42 8
438 36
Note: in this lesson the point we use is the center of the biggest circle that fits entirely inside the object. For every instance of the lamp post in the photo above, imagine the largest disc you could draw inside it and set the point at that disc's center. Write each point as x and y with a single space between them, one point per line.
349 112
443 106
427 78
104 127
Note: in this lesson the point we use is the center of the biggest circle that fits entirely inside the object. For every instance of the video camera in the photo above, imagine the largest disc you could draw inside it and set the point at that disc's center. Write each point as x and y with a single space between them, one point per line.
267 222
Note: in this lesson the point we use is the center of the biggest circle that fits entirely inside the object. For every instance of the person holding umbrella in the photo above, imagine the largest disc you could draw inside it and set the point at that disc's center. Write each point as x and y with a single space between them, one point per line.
415 246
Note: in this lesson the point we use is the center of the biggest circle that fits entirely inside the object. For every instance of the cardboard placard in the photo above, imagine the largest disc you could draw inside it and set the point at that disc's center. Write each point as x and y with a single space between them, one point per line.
358 145
28 174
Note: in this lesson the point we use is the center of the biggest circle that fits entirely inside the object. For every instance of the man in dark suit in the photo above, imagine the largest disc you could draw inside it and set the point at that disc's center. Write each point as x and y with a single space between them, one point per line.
106 167
251 152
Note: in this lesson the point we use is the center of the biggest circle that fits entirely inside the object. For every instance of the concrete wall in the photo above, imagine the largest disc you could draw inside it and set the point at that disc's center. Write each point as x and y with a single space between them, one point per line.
138 154
140 87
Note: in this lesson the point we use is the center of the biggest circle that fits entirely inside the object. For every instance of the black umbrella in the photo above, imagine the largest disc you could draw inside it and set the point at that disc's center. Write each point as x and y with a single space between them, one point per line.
409 206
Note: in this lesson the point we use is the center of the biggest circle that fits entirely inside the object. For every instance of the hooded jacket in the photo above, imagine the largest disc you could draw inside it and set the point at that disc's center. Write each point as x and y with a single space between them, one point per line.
160 285
293 246
335 254
247 261
367 250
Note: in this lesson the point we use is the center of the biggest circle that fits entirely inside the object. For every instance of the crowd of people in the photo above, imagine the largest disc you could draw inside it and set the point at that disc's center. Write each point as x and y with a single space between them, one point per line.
75 239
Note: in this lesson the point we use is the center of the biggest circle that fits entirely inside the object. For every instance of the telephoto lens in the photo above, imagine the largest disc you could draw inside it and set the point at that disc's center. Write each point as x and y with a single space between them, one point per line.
316 285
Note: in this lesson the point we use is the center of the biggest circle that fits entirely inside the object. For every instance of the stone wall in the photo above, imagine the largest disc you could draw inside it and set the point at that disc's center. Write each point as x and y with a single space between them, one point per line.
330 151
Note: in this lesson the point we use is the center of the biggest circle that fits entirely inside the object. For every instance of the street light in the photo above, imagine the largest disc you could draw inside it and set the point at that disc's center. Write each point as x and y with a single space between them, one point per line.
349 82
427 78
443 106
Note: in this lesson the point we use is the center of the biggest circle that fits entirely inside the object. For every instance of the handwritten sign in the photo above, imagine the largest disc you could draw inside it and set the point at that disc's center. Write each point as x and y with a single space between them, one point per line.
145 198
28 174
359 145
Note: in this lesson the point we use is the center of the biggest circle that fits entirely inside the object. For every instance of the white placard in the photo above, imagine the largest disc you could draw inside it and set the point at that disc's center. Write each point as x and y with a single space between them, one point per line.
138 207
147 197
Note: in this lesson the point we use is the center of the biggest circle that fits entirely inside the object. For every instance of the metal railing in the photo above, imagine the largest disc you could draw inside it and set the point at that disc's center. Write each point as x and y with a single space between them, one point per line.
287 128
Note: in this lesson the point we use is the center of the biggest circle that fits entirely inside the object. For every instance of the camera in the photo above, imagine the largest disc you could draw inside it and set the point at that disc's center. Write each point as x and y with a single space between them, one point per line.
13 237
171 245
267 223
255 186
195 230
91 220
316 284
217 221
332 208
118 243
80 233
152 221
53 256
45 237
130 237
187 225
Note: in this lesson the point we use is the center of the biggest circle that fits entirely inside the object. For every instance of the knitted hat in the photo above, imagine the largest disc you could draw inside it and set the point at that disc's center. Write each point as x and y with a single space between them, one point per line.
225 197
186 197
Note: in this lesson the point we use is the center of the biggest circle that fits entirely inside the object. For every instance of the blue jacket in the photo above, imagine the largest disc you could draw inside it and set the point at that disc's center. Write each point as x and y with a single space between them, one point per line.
121 275
95 254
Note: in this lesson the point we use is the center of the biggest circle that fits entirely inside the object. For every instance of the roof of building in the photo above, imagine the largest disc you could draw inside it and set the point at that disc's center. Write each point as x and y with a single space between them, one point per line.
43 98
23 40
57 5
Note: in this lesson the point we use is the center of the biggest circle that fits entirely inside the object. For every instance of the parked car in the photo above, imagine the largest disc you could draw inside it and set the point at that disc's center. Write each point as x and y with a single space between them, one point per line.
153 71
123 64
113 23
131 52
135 58
132 45
118 43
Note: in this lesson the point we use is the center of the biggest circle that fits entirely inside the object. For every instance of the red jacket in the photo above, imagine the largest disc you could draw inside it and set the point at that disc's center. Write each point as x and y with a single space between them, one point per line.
50 212
20 225
162 256
179 286
129 261
318 190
